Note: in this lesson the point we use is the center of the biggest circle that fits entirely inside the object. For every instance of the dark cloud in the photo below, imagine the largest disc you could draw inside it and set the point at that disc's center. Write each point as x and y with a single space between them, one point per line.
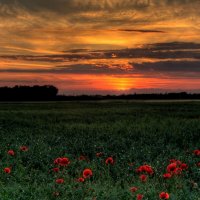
71 6
168 66
141 31
74 69
167 69
174 50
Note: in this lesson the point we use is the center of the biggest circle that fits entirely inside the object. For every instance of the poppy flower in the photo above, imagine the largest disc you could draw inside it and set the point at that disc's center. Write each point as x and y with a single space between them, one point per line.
177 171
24 148
56 169
62 161
184 166
87 173
198 164
145 168
164 195
167 176
82 158
57 161
7 170
99 154
60 181
133 189
172 161
143 178
81 180
109 161
171 167
197 152
140 197
11 153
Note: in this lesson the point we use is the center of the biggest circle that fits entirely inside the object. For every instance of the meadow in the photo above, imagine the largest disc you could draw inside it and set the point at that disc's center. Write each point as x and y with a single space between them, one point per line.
107 150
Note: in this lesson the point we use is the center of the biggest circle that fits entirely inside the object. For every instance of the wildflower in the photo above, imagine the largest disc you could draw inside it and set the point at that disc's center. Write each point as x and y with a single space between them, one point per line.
164 195
62 161
87 173
57 161
99 154
184 166
23 148
7 170
197 152
140 197
172 161
60 181
171 167
82 158
81 180
56 169
143 178
145 168
133 189
177 171
109 161
167 176
11 153
198 164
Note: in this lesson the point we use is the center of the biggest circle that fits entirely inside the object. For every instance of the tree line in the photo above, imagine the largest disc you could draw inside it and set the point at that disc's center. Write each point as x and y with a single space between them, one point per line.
50 93
28 93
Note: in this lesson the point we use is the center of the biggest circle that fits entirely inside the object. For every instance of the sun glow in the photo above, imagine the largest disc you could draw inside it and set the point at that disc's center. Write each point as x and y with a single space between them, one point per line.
122 84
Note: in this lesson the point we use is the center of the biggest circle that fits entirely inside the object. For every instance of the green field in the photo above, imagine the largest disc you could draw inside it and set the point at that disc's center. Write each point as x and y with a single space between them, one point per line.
133 133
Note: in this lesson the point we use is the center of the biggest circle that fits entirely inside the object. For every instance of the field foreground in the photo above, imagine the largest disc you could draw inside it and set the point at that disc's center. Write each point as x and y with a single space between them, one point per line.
100 151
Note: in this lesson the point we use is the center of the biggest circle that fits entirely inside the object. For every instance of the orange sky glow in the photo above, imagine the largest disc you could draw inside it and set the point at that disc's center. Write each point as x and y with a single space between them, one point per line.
101 47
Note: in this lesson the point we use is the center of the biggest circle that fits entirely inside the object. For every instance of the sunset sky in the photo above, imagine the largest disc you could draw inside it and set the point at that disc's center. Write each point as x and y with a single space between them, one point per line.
101 46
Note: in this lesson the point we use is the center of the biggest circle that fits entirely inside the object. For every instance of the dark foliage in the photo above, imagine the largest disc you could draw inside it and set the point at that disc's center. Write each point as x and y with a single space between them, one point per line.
50 93
28 93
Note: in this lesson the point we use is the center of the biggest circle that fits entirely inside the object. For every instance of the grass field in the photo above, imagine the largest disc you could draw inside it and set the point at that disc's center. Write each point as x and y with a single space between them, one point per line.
133 134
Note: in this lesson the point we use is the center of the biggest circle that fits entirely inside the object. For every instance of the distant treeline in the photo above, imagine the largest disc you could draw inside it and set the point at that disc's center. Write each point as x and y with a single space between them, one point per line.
50 93
28 93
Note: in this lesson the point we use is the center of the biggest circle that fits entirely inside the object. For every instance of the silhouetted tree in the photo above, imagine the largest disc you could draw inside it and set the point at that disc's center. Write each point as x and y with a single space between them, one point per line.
23 93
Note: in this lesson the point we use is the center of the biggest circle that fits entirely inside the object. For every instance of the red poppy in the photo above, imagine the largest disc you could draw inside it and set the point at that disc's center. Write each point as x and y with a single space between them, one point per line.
184 166
172 161
164 195
133 189
177 171
81 180
56 169
171 167
143 178
24 148
87 173
82 158
197 152
198 164
145 168
62 161
60 181
11 153
140 197
57 161
109 161
7 170
99 154
167 176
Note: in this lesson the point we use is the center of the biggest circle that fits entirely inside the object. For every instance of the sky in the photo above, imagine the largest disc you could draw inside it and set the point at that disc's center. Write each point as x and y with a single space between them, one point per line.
101 46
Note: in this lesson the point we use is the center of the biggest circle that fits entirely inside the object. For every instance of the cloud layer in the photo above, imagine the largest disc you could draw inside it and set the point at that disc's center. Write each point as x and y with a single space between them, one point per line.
100 45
